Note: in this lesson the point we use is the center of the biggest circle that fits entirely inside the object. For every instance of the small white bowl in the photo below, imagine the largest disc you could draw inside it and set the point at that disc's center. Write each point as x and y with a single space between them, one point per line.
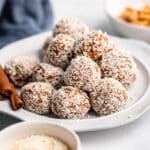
113 10
25 129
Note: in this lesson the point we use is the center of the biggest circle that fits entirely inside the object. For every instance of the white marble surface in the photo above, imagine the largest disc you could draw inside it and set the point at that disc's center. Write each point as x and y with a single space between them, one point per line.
134 136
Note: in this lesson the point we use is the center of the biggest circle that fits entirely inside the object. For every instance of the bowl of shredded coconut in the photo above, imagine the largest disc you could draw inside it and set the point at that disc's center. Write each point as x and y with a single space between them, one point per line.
38 136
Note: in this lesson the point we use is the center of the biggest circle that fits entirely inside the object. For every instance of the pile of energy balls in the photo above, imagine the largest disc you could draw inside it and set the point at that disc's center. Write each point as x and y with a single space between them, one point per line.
80 70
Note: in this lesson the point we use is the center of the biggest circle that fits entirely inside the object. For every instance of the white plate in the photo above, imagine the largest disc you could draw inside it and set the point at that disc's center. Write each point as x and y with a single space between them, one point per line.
139 93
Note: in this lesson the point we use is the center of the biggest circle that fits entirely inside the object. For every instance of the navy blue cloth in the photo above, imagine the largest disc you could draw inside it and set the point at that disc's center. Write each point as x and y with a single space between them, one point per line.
22 18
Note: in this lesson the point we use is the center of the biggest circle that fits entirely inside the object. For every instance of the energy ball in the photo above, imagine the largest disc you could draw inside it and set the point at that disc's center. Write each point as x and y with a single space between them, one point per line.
60 51
108 97
83 73
20 69
70 102
93 45
73 27
45 46
48 73
37 97
119 65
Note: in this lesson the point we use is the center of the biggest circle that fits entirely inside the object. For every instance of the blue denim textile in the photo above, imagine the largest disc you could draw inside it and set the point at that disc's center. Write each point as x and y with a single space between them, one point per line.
22 18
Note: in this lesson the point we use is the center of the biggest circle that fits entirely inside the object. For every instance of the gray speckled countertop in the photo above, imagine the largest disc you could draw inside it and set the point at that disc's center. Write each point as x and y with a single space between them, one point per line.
6 120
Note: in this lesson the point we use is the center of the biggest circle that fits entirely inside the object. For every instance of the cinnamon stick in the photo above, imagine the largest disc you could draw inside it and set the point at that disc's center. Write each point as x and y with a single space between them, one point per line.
16 101
8 89
1 97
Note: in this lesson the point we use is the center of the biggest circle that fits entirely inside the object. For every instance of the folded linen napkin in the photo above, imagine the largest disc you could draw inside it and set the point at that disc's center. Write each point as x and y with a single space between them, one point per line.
22 18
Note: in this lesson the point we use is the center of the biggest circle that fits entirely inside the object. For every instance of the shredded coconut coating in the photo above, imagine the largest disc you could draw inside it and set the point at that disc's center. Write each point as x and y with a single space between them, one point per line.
48 73
93 45
60 51
37 97
38 142
108 97
20 69
82 73
73 27
46 45
119 65
70 102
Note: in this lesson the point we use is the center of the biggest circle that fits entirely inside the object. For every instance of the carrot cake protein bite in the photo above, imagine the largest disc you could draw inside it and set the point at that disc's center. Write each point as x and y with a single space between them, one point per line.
73 27
60 50
93 45
120 65
46 45
20 69
108 97
48 73
37 97
83 73
70 102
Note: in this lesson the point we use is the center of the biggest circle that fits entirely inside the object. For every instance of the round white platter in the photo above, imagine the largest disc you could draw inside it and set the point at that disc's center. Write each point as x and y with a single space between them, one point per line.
139 93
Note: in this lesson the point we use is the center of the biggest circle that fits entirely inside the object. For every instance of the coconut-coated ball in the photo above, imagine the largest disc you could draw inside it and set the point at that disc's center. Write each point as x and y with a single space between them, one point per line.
37 97
73 27
70 102
93 45
60 51
119 65
83 73
20 69
46 45
108 97
48 73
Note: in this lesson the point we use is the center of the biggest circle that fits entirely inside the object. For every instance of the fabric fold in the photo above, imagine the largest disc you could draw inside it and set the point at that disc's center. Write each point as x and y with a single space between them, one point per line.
22 18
